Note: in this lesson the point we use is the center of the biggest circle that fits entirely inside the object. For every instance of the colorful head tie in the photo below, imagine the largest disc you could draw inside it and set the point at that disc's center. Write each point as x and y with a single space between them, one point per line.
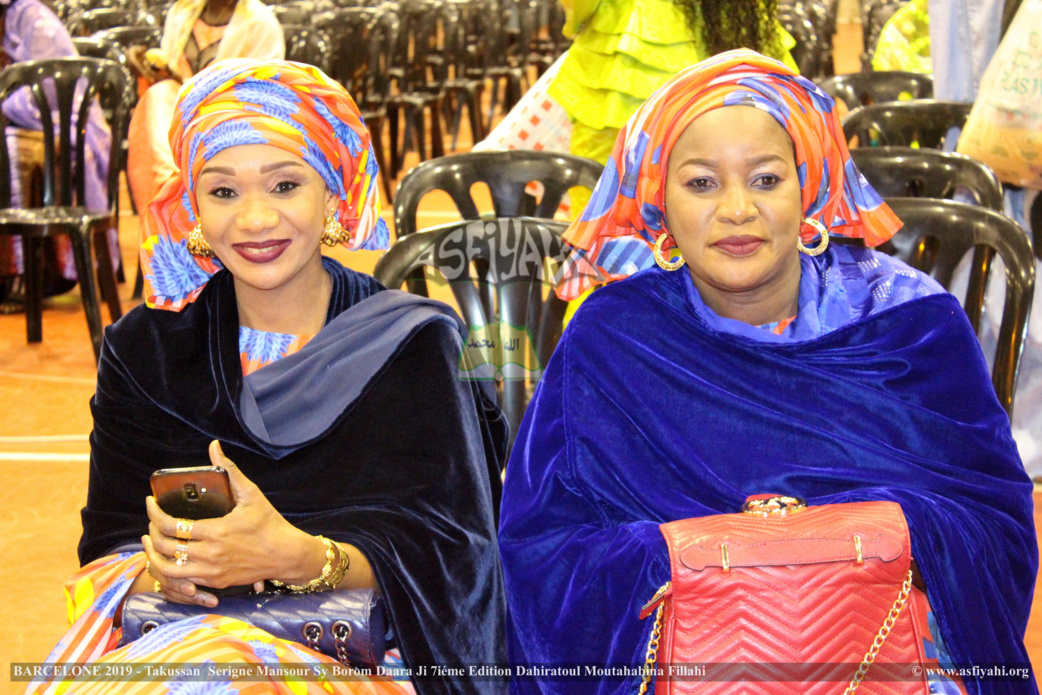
615 235
245 102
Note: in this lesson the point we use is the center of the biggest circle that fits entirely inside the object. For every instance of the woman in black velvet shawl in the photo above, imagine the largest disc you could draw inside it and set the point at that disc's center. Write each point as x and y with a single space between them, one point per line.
335 404
756 368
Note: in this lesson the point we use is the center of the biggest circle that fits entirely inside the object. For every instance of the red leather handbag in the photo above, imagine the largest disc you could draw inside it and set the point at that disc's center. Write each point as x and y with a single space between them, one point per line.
785 598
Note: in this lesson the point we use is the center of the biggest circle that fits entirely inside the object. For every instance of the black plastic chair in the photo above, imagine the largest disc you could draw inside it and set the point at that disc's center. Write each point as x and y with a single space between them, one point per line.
513 34
917 173
506 173
865 88
520 257
305 44
64 210
875 14
419 61
922 122
813 24
125 37
811 51
935 237
361 46
89 22
465 68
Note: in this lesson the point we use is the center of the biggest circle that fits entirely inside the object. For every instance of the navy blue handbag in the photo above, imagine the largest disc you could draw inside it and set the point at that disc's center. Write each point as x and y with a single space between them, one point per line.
346 625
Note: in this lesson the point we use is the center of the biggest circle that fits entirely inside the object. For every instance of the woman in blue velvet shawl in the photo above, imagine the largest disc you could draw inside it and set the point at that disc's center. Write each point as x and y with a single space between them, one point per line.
335 404
838 377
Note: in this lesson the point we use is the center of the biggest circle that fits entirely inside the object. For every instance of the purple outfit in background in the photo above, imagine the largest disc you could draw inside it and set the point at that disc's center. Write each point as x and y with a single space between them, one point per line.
33 32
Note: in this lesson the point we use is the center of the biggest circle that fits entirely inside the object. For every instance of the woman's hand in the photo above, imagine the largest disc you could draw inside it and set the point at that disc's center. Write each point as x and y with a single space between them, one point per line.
251 543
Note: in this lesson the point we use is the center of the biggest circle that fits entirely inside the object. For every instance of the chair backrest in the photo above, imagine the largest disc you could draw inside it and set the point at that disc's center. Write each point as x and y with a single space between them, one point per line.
63 90
125 37
507 173
917 173
811 52
511 338
875 14
89 47
864 88
935 237
922 122
305 44
89 22
361 48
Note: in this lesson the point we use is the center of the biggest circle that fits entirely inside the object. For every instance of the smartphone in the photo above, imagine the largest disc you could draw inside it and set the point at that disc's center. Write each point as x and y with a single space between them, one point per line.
202 492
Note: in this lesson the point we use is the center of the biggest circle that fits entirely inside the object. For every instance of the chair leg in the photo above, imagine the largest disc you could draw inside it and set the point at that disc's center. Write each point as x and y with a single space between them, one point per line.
139 283
81 252
437 141
416 126
392 127
106 277
376 129
32 260
477 129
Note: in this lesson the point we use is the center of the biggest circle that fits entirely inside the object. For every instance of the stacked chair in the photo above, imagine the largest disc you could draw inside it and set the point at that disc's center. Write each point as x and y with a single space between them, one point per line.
951 205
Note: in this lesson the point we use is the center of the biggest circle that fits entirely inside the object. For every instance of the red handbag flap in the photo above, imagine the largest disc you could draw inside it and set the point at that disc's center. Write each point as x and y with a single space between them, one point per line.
789 551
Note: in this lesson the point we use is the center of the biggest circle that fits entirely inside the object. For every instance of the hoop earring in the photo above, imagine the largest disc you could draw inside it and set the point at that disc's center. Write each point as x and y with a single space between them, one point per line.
334 232
197 245
661 260
822 245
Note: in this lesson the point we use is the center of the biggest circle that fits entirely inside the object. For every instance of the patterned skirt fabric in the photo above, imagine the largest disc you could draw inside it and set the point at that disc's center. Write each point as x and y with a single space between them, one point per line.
201 655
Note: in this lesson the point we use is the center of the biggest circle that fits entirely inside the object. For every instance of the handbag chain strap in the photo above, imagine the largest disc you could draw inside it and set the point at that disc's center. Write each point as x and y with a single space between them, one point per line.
859 675
656 635
884 632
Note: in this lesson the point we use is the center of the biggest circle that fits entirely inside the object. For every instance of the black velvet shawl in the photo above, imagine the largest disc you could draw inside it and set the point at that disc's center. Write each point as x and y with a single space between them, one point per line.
408 473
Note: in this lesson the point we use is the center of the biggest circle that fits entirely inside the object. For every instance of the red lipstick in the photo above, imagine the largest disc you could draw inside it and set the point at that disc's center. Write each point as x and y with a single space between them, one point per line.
261 251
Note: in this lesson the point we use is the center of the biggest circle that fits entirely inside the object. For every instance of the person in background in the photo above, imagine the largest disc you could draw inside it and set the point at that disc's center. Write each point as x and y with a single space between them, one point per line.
31 31
196 34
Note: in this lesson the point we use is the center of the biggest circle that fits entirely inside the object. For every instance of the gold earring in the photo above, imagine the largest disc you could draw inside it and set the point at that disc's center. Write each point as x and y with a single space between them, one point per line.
334 232
822 245
661 260
197 245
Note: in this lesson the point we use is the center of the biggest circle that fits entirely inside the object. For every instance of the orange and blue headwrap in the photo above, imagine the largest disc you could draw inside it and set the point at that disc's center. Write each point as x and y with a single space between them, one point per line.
246 102
615 234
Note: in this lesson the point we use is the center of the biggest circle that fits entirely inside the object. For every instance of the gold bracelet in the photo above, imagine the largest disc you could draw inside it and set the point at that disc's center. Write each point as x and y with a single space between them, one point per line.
340 570
333 553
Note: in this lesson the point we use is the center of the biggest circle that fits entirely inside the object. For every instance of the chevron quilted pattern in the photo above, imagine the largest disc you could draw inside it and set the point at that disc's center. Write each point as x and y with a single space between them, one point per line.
795 611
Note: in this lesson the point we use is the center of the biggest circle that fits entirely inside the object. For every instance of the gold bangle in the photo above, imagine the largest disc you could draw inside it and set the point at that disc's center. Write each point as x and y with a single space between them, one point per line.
332 559
340 570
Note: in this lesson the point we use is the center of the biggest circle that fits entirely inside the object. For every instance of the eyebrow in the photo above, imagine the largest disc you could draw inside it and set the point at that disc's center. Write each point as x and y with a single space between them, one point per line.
228 171
712 164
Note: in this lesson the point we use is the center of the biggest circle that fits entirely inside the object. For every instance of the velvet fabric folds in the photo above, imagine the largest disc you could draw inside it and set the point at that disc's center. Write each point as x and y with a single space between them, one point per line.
407 472
648 414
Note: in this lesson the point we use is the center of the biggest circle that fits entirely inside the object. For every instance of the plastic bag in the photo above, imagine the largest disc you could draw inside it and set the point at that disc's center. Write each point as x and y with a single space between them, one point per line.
1004 129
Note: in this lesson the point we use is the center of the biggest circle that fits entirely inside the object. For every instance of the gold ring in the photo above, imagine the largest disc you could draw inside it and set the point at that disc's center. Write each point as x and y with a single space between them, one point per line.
184 529
181 554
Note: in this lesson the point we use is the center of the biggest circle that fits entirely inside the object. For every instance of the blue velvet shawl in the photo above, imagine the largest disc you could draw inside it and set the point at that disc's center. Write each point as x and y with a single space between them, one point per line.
650 412
405 466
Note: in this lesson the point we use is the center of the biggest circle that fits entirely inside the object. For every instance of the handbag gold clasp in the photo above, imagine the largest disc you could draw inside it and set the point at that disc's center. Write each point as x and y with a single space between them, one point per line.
772 505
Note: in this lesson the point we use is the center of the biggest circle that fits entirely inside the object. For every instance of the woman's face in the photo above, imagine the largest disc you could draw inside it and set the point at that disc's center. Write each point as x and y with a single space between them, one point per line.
262 210
733 206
